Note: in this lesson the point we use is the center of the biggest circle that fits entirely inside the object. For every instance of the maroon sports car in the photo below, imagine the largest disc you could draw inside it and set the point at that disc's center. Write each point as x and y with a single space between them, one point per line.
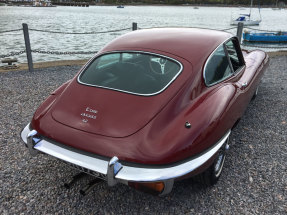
152 107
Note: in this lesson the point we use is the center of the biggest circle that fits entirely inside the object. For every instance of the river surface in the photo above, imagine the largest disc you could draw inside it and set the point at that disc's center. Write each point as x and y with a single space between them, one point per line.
106 18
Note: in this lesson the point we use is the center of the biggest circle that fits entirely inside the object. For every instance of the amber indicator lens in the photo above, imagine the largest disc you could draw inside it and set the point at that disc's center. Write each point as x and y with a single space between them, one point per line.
154 188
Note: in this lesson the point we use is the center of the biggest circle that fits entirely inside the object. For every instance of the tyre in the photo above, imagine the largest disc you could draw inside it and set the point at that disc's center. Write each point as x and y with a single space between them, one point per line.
210 176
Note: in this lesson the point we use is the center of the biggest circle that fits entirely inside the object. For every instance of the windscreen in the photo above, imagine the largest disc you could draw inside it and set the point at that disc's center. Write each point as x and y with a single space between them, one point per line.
131 72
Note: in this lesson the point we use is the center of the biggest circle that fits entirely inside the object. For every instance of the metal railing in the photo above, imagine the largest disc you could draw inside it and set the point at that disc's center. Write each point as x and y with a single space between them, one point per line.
93 32
29 51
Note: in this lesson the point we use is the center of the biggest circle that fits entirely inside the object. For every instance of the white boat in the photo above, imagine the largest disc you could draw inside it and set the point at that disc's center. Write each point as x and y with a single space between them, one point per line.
245 21
246 18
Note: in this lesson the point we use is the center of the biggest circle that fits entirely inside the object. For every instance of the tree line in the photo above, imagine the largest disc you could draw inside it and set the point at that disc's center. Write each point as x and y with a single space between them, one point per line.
191 2
198 2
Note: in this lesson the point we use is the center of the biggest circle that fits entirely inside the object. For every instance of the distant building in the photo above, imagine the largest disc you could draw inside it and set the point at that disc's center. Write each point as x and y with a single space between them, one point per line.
42 3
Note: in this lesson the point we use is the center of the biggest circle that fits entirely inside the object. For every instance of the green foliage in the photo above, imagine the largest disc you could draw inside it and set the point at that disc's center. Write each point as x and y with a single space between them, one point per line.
192 2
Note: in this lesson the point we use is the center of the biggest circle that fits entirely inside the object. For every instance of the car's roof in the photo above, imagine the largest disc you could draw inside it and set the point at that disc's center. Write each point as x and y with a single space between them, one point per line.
188 43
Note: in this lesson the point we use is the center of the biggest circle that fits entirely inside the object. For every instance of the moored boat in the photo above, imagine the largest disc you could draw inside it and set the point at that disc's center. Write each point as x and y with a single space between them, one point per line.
245 21
246 18
265 37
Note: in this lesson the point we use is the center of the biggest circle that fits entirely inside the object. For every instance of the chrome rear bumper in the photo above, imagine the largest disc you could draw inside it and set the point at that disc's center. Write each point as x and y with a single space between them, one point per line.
113 170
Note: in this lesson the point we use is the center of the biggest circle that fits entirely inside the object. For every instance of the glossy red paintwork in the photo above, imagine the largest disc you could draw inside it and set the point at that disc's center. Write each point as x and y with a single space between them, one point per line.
151 130
116 115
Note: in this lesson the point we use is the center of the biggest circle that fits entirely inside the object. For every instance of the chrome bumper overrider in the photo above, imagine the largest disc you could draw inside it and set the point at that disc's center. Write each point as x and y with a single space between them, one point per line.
113 170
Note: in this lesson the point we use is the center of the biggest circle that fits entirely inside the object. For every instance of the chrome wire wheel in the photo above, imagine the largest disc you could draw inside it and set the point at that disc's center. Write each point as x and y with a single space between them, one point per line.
212 174
219 162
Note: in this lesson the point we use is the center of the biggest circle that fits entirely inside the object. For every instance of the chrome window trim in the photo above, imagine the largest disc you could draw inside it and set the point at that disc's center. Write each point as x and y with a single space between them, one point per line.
124 91
126 173
211 55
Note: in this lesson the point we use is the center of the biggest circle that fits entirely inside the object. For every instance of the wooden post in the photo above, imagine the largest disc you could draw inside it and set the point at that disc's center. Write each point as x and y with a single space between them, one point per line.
135 26
239 31
28 47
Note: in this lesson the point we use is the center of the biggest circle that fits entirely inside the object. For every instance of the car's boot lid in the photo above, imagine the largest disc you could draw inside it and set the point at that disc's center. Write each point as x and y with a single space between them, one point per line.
104 111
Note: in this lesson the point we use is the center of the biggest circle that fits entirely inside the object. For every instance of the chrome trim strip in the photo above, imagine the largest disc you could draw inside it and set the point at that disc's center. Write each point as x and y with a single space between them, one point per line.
91 163
146 174
44 146
124 91
32 140
113 168
127 173
25 133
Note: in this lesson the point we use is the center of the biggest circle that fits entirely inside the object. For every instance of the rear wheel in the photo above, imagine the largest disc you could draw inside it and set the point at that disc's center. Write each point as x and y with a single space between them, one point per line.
212 174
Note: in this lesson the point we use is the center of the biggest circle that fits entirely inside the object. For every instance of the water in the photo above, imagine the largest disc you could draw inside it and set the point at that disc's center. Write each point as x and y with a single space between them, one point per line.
105 18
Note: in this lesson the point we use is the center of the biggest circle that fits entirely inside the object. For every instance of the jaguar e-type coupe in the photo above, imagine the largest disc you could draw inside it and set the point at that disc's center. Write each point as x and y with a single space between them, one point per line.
152 107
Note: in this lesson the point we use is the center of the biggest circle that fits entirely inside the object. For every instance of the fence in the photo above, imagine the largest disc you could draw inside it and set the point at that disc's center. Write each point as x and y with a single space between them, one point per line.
29 51
134 27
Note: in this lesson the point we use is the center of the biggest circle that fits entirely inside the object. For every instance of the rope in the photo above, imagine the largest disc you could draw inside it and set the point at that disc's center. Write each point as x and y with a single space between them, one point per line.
2 32
62 53
59 32
226 29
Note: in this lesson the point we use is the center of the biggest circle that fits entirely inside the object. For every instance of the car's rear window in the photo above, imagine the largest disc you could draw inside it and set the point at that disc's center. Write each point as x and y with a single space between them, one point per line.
131 72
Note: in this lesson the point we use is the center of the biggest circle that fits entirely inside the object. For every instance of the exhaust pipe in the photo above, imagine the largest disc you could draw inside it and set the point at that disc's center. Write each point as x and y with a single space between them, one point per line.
74 180
90 186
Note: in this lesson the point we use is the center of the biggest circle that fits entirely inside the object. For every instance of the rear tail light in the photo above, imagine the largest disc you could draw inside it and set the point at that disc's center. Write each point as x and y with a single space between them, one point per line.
154 188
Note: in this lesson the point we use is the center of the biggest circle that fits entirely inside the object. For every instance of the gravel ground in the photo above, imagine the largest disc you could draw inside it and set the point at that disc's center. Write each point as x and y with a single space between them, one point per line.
254 180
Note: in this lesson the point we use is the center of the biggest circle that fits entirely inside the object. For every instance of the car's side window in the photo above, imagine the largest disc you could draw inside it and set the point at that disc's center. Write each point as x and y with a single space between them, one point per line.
217 67
234 55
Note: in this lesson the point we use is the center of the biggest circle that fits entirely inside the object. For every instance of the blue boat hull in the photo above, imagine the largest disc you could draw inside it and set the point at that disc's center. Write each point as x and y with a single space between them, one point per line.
280 37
